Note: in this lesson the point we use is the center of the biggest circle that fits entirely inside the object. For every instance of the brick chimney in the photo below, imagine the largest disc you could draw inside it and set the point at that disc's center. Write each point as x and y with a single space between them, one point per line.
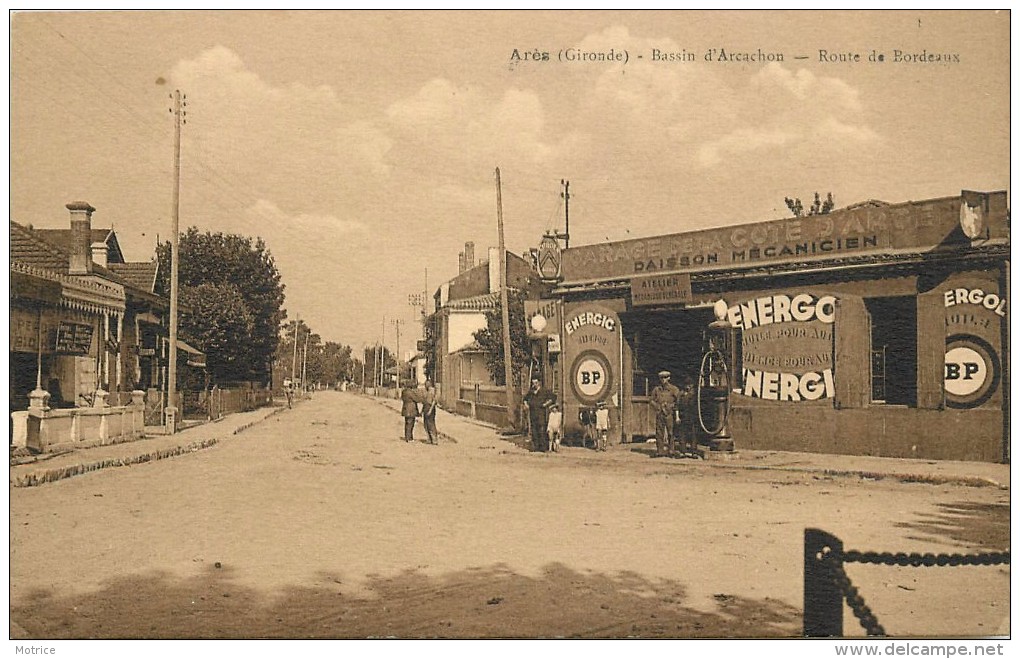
80 262
469 255
460 263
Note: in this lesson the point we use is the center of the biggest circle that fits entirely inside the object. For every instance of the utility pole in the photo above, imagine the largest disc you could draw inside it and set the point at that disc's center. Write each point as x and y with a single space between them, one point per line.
293 363
566 212
364 359
171 387
382 359
396 323
505 309
304 366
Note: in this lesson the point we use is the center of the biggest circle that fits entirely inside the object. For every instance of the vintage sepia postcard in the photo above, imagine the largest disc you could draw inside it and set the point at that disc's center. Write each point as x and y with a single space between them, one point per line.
494 325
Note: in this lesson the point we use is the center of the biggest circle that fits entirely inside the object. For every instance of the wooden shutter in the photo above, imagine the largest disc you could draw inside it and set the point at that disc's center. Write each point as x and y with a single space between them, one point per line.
931 350
852 362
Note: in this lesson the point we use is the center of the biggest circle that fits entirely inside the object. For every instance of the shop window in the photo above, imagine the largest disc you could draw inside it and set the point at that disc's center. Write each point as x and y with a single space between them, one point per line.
893 350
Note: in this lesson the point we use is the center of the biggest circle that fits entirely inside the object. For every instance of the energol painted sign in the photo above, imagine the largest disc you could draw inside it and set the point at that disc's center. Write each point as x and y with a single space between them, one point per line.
972 363
786 343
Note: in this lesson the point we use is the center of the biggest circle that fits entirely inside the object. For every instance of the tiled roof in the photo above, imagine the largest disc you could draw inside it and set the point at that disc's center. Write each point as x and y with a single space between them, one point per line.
32 247
141 275
474 346
476 303
62 239
27 247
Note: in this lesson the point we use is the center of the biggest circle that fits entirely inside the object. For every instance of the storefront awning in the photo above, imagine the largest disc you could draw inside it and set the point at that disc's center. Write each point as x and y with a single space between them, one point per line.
34 289
195 357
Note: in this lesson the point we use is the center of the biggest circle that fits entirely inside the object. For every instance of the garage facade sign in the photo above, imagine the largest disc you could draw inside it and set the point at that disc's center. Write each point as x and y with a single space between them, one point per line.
786 346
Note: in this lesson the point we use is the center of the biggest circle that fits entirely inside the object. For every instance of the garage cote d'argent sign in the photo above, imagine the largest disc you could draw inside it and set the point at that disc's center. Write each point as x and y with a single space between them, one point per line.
864 230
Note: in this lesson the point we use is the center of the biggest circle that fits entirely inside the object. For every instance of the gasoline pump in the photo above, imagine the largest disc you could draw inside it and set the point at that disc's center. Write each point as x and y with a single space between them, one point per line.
716 378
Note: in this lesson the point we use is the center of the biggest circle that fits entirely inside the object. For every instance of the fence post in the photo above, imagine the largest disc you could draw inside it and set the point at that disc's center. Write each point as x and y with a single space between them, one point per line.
823 600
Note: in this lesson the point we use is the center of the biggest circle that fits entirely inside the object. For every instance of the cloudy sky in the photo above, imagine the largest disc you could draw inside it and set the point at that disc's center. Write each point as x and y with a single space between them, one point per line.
362 146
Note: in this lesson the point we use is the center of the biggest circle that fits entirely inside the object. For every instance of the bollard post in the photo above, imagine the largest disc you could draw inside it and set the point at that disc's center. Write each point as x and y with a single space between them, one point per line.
823 600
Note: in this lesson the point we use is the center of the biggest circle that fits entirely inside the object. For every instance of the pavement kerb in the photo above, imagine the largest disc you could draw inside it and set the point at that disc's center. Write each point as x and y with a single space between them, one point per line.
863 474
84 466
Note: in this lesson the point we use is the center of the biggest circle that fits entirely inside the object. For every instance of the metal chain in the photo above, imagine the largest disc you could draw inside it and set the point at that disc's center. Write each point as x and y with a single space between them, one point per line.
853 597
925 560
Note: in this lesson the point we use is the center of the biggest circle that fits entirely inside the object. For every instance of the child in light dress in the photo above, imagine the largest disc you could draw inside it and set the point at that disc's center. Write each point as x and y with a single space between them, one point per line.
601 426
554 427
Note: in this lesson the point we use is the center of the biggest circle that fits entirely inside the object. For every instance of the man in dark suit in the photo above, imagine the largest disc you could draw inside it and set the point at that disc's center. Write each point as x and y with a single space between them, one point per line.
409 410
538 400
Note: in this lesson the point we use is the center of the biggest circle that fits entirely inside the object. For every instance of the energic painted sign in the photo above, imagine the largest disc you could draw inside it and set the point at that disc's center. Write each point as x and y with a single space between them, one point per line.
591 344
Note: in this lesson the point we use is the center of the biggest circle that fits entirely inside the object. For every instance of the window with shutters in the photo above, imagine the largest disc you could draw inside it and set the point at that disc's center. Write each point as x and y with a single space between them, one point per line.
852 353
893 350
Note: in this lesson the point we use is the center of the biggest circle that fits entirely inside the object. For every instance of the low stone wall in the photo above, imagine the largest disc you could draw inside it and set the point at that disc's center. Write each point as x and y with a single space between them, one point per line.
44 429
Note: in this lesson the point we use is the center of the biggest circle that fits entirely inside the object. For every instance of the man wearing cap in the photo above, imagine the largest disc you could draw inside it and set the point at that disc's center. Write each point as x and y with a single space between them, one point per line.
409 410
664 400
537 401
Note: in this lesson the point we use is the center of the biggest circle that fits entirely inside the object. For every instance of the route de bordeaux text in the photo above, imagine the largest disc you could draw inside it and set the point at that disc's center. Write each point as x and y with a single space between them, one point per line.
756 56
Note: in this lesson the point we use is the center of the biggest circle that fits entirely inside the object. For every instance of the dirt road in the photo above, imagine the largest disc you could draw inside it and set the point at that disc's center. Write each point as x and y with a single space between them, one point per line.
319 522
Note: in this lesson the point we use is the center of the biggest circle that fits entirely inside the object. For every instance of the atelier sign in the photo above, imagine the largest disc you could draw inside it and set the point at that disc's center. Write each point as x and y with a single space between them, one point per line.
661 289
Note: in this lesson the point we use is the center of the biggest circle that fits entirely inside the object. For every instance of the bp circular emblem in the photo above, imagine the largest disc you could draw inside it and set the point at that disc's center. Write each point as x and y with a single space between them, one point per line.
591 377
971 371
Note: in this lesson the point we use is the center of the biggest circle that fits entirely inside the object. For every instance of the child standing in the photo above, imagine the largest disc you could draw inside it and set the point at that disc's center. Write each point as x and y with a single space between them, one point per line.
602 426
554 427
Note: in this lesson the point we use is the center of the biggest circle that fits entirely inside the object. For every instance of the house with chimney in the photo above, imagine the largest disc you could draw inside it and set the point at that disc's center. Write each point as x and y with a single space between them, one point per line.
456 361
88 331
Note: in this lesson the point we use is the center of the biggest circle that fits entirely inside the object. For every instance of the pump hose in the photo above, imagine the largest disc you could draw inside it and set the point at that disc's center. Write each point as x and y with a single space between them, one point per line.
701 378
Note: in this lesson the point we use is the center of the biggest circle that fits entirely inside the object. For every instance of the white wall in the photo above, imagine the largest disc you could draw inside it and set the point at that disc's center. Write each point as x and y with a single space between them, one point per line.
493 269
462 327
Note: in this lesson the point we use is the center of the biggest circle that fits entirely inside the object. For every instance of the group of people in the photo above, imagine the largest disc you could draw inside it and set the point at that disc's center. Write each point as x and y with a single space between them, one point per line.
674 409
410 399
545 420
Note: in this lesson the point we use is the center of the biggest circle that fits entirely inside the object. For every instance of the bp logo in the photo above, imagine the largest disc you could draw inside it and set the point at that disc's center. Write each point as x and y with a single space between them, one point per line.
972 372
591 377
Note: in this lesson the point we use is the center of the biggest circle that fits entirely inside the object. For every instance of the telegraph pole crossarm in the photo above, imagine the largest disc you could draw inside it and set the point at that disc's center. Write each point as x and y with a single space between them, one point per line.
565 195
